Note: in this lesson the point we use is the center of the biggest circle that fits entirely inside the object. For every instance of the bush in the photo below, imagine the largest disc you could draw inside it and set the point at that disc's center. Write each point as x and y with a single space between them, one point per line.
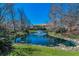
61 30
5 46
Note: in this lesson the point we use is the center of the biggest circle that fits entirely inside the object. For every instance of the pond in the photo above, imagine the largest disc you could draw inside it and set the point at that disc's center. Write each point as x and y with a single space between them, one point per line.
41 38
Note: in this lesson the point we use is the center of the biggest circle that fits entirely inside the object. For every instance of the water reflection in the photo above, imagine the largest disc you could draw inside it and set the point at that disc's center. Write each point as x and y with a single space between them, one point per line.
43 40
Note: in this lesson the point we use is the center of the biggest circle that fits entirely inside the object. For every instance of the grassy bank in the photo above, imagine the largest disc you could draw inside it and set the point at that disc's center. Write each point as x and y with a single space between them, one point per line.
73 36
59 35
30 31
32 50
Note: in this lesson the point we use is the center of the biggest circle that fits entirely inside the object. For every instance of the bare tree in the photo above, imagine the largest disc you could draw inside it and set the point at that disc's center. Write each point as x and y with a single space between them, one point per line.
12 14
71 17
65 17
56 14
25 23
4 11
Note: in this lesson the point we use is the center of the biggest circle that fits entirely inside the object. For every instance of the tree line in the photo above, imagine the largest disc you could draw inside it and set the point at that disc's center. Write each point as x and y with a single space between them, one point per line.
10 20
64 16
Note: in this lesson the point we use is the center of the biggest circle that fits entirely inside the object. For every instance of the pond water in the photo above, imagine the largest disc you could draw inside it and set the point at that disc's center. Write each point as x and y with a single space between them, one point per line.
41 38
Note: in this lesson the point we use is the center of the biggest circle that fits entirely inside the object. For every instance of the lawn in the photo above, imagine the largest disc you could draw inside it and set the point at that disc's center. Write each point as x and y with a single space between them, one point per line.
59 35
34 50
32 31
73 36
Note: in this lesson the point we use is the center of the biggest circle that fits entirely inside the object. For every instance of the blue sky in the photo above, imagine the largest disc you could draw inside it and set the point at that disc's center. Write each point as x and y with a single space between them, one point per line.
37 13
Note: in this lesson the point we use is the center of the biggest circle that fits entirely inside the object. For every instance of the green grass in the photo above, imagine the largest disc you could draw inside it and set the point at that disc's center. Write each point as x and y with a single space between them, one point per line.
2 33
32 30
32 50
21 33
58 35
72 36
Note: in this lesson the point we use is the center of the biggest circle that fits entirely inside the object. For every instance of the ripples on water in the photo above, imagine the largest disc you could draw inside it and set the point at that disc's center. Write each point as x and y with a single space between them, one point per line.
43 40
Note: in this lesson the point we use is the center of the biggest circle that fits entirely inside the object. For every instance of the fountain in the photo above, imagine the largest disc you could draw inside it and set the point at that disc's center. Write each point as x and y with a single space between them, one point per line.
40 33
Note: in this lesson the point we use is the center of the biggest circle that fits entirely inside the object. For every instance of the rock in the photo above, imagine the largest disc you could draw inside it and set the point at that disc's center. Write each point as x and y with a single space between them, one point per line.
2 38
77 46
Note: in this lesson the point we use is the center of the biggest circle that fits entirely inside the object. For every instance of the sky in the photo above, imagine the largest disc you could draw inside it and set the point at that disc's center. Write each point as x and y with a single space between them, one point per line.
37 13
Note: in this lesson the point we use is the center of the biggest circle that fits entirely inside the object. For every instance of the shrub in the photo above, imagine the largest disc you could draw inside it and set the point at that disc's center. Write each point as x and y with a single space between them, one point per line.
61 30
5 45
